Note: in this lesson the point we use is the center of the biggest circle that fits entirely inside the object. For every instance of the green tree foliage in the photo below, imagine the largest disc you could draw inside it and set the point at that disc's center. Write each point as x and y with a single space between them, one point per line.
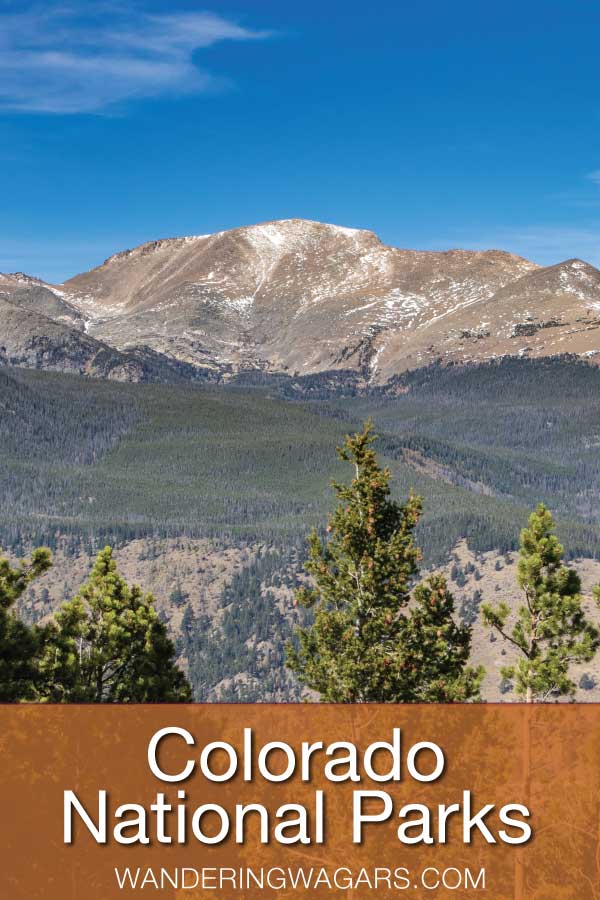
551 630
248 637
107 645
364 645
84 461
19 644
435 650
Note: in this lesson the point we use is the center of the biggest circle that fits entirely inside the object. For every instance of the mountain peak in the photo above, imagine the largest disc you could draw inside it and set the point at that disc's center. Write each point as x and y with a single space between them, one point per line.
304 226
282 233
297 295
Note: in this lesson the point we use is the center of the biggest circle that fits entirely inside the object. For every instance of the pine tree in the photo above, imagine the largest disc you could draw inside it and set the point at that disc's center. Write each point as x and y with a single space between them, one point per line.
364 646
19 644
107 645
436 650
551 630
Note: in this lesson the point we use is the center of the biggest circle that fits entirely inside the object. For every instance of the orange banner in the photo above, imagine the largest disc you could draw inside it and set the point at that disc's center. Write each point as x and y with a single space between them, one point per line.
300 801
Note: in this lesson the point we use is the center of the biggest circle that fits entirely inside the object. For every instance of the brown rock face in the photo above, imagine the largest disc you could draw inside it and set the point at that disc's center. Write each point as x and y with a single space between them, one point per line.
299 296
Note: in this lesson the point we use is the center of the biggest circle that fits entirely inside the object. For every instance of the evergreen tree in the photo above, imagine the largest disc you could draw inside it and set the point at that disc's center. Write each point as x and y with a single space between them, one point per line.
19 644
436 650
107 645
551 630
364 646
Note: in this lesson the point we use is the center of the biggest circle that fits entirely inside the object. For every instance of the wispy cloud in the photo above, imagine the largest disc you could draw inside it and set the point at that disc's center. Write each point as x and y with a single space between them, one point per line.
542 244
553 244
87 57
584 196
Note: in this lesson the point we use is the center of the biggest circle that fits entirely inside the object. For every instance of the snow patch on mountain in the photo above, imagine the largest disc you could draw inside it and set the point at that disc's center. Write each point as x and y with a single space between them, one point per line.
298 295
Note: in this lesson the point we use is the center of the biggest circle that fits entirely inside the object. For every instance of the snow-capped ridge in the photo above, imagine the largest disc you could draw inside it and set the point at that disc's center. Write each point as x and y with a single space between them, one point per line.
297 295
279 232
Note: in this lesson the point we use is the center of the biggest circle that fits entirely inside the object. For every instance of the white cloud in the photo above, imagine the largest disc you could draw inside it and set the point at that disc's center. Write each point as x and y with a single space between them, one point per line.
88 57
595 177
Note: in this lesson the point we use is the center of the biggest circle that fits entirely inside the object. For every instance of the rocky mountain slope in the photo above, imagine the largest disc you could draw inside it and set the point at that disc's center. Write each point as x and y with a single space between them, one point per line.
302 297
33 340
32 295
192 579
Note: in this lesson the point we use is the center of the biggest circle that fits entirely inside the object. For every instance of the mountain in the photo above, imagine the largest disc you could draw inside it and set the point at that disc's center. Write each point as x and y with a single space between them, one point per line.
33 295
302 297
548 311
35 341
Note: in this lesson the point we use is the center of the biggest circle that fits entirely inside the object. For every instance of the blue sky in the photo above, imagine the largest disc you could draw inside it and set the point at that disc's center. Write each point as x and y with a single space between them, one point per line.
471 124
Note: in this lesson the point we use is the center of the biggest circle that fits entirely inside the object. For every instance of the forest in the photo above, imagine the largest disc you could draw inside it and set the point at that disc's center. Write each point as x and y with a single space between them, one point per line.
107 462
86 463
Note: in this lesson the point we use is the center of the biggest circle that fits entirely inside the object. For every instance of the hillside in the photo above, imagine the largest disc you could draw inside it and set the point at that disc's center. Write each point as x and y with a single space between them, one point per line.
301 297
230 609
482 444
208 492
35 340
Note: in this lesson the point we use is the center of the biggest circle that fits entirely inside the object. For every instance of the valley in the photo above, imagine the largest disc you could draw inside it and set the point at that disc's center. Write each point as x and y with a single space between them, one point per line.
208 491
